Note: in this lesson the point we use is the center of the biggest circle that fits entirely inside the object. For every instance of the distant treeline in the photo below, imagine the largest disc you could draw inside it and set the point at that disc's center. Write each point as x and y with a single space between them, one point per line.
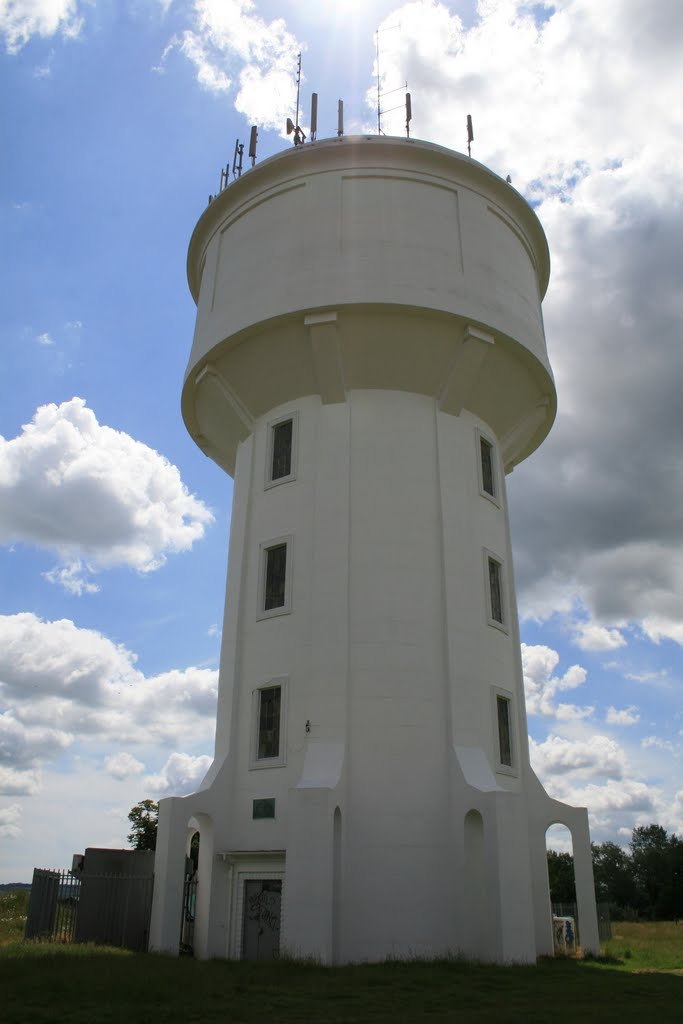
644 881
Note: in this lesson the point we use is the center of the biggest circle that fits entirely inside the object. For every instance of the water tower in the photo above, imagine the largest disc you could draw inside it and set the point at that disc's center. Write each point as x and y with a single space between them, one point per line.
368 363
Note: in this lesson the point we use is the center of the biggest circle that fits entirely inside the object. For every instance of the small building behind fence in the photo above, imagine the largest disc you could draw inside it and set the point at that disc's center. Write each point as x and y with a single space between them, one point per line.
106 898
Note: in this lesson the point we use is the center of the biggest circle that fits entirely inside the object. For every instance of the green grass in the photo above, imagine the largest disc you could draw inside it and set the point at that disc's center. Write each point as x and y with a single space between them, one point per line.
43 983
650 945
13 905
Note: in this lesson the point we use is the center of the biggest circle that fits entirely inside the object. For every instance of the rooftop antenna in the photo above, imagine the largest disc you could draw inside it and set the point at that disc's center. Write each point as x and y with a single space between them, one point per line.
379 97
409 114
252 144
340 118
224 178
314 116
379 78
298 87
293 126
470 135
237 159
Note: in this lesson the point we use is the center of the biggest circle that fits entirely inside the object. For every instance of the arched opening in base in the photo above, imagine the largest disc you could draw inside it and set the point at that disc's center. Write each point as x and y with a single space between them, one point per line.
562 889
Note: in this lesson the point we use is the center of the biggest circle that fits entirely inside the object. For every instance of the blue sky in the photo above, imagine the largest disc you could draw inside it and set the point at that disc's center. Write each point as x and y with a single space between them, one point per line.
116 120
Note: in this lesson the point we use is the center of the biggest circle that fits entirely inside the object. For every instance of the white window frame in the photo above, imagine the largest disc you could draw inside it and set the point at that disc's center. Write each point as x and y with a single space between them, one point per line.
504 606
479 436
270 435
284 609
504 769
256 762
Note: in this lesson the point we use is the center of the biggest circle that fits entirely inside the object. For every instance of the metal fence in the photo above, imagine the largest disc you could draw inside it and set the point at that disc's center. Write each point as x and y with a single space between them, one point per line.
604 923
187 920
111 910
53 906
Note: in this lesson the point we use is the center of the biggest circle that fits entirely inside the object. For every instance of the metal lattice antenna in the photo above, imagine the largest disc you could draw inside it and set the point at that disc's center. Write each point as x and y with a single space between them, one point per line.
379 96
298 88
379 78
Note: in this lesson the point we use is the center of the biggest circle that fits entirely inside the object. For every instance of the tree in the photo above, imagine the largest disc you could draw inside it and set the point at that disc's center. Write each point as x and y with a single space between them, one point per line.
613 873
144 818
561 877
657 860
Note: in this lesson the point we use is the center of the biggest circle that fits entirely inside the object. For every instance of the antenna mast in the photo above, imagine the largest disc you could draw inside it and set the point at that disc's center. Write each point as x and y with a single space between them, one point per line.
293 126
298 87
379 79
379 97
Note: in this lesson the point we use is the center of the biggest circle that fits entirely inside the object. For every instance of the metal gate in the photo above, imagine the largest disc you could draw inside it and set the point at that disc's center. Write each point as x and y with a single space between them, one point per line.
111 910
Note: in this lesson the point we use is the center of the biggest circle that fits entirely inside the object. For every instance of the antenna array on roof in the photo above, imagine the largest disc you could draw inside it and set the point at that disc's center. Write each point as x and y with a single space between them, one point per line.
237 161
293 127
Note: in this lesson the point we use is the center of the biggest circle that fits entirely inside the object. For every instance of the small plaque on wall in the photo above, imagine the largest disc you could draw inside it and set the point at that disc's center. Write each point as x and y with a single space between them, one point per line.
264 808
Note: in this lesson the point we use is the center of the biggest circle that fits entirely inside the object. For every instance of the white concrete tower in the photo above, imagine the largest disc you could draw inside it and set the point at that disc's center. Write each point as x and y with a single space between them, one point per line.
369 362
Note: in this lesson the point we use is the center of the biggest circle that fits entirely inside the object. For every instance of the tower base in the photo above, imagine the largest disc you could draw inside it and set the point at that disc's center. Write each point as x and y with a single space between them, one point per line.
481 892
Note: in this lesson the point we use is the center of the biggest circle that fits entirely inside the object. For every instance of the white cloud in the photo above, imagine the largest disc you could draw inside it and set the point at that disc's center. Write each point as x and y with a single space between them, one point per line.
73 325
21 19
659 743
44 339
231 45
596 772
123 765
22 745
550 67
572 713
615 796
76 685
10 818
93 494
622 716
645 677
71 578
19 781
22 750
179 776
598 755
555 92
674 819
589 636
541 686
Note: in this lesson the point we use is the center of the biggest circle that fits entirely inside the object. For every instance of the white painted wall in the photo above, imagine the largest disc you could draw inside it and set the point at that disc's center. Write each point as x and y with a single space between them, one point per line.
428 271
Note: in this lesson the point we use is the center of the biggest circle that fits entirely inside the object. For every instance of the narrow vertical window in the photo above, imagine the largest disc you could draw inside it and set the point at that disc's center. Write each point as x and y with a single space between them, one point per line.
504 731
495 591
281 450
275 589
270 700
487 477
268 742
275 563
281 456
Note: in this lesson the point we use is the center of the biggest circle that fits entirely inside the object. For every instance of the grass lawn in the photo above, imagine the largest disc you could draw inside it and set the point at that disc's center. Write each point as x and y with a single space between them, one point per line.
656 945
89 985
